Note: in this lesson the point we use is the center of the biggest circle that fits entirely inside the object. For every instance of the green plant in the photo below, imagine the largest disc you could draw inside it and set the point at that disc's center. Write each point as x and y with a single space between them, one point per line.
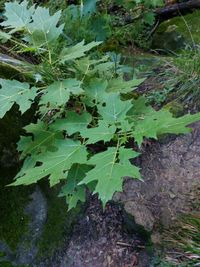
85 21
93 20
83 122
135 21
159 97
184 237
182 73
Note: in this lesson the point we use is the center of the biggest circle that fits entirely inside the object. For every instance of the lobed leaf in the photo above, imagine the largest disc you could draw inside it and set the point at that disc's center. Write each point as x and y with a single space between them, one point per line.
18 15
43 29
96 91
76 51
55 164
151 123
73 123
58 93
42 140
13 91
103 132
108 173
71 190
115 109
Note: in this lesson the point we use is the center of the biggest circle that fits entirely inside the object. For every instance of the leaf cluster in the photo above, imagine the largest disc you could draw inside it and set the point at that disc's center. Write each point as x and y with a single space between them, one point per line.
82 103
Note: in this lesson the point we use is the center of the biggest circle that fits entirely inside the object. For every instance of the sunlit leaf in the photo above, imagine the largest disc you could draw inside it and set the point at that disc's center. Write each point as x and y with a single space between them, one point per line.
13 91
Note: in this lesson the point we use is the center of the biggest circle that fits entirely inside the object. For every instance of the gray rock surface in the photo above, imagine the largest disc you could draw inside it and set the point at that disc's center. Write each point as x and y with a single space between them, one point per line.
27 249
171 186
37 211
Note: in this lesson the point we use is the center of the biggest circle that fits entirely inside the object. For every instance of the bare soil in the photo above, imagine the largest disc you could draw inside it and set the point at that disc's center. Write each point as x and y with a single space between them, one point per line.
100 240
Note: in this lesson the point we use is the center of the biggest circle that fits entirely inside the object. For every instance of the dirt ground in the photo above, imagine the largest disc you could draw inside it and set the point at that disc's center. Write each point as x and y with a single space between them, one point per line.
171 182
100 240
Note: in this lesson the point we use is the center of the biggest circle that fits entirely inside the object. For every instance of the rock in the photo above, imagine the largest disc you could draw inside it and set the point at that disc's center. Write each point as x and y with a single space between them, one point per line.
177 33
156 238
176 108
171 182
142 215
34 222
27 248
11 67
6 252
37 212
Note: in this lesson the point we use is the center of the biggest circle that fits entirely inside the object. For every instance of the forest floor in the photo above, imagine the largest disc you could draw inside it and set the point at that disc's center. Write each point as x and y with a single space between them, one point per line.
102 239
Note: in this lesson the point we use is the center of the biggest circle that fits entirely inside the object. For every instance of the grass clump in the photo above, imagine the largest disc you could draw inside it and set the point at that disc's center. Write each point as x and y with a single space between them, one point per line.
183 241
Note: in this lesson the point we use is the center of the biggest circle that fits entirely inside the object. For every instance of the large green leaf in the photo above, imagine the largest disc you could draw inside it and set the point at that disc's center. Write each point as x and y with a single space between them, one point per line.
76 51
151 123
103 132
4 37
95 91
120 86
43 139
55 164
89 6
115 109
73 122
43 29
12 92
108 173
71 190
18 15
89 67
40 27
58 93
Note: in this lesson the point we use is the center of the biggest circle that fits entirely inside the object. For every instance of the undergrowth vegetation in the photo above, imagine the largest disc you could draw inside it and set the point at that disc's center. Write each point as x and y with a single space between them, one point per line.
187 67
117 22
183 241
179 76
85 116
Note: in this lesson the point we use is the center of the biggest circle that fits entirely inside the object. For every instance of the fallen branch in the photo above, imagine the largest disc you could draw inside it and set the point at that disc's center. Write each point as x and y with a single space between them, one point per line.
169 12
176 9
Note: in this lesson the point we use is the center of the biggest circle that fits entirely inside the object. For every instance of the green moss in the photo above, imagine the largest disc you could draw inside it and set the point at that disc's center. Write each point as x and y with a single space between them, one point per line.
8 264
59 222
13 221
176 33
188 26
175 108
2 254
5 264
8 71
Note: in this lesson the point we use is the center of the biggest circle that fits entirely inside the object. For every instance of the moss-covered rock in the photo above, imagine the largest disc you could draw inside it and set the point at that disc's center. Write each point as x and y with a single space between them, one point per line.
175 108
21 207
176 33
59 223
11 68
18 228
13 221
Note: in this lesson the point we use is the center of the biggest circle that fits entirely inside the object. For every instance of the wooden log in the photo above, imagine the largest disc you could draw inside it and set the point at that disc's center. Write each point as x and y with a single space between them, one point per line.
176 9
